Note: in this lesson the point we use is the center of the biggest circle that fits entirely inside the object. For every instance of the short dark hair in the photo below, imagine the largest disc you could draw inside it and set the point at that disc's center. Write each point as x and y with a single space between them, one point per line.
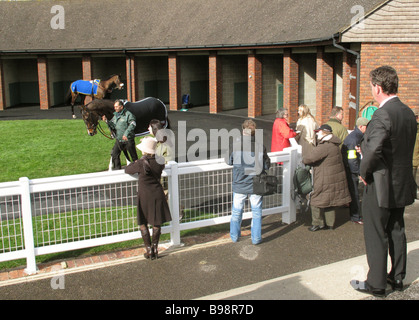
155 127
386 77
119 102
335 111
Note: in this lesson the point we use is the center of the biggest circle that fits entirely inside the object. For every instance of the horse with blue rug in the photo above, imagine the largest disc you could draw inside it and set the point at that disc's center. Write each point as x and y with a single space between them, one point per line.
97 89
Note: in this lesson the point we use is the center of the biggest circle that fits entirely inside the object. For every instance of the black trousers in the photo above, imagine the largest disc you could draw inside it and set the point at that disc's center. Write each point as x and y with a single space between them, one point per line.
384 234
353 185
120 147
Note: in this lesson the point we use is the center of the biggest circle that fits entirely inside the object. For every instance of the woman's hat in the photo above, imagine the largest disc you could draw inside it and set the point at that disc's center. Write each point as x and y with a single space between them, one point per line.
148 145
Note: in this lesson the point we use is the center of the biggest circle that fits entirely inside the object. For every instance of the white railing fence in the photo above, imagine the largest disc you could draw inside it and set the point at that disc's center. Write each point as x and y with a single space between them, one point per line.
51 215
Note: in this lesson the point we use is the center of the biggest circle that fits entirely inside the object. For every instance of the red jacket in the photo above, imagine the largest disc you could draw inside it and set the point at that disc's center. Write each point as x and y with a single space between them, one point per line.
281 133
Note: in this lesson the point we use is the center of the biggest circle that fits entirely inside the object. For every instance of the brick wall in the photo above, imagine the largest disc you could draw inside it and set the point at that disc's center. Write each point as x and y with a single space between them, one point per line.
324 86
174 82
348 89
404 57
87 67
254 86
131 78
87 71
215 83
2 91
291 85
43 83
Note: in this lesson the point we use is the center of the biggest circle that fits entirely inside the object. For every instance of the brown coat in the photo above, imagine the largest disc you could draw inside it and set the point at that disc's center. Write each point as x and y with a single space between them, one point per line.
152 206
330 188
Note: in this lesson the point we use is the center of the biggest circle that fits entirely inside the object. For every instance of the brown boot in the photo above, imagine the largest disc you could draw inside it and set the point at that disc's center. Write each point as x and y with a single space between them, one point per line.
155 242
147 242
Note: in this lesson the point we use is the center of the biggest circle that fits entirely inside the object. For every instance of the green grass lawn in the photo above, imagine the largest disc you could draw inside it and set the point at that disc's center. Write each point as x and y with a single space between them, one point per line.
48 148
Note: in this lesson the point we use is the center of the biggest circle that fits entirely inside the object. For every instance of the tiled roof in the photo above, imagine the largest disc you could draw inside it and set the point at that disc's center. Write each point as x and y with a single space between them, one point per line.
164 24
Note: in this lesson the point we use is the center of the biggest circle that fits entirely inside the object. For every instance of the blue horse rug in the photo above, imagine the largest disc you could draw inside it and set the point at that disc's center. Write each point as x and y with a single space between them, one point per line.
85 87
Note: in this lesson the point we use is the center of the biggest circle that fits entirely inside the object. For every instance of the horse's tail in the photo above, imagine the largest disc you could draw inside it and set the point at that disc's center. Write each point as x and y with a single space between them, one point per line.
67 98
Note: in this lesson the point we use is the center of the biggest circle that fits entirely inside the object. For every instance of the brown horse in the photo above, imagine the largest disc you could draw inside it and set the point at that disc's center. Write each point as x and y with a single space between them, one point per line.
144 111
97 89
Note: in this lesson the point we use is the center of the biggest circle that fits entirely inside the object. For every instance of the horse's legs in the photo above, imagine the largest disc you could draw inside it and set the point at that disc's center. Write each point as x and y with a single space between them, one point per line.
73 99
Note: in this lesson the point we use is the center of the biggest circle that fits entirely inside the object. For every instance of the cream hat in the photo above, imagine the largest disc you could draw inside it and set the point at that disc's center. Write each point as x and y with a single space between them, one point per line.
148 145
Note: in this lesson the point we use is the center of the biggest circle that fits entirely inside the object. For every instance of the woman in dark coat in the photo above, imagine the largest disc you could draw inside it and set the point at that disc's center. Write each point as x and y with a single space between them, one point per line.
152 207
330 188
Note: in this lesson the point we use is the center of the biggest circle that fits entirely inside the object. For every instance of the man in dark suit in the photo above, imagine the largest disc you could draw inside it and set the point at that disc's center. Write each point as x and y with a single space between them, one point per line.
387 151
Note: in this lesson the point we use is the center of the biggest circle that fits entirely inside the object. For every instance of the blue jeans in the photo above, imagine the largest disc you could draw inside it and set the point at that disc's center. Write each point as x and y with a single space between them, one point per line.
237 215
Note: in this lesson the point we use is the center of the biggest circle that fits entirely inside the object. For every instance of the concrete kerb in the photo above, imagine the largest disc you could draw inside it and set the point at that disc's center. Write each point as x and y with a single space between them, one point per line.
329 282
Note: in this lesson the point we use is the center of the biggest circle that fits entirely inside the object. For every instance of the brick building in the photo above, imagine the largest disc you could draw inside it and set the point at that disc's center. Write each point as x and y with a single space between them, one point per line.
259 55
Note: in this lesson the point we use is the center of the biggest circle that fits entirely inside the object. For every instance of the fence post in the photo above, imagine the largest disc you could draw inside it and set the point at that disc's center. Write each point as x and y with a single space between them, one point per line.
27 226
291 216
173 181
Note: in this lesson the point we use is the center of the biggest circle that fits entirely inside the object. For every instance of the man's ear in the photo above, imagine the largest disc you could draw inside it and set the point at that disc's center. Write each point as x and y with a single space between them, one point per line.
378 89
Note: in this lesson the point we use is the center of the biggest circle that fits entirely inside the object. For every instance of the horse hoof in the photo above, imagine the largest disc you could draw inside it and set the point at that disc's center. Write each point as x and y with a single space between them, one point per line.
74 116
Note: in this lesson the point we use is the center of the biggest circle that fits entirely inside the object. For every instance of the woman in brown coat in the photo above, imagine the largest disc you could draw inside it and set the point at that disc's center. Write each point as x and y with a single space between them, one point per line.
152 207
330 188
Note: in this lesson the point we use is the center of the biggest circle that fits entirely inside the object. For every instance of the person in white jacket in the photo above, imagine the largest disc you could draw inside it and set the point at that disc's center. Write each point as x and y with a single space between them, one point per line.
306 125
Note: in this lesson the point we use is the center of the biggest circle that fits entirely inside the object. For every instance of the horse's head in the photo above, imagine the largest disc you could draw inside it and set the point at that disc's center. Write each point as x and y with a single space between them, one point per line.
91 120
119 85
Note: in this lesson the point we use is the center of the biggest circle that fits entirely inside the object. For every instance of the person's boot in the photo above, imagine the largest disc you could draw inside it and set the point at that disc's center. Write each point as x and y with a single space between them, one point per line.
155 242
147 242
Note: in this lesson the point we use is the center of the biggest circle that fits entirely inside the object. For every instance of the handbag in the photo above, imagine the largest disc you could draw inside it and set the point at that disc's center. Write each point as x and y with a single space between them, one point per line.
264 184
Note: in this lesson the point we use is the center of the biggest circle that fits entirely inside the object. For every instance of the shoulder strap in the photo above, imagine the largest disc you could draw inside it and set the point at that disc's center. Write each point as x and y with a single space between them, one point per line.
148 164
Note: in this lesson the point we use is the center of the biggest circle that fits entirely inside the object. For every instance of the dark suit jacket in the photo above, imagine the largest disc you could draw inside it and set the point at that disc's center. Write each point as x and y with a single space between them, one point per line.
387 150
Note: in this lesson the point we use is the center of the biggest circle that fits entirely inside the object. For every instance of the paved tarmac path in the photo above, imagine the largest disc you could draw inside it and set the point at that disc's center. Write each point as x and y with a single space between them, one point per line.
278 268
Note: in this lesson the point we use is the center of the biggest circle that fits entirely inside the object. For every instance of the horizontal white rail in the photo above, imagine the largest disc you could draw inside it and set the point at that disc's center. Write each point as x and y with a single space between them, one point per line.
50 215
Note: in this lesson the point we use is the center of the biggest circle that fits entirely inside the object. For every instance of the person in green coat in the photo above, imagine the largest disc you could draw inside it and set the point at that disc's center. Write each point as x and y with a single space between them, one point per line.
122 125
335 122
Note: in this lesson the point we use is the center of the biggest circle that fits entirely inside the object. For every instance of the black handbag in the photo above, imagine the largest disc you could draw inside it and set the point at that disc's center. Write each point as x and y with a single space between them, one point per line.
264 184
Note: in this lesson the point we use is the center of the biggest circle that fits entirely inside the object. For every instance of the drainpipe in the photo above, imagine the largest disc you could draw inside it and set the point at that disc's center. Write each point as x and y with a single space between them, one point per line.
358 71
